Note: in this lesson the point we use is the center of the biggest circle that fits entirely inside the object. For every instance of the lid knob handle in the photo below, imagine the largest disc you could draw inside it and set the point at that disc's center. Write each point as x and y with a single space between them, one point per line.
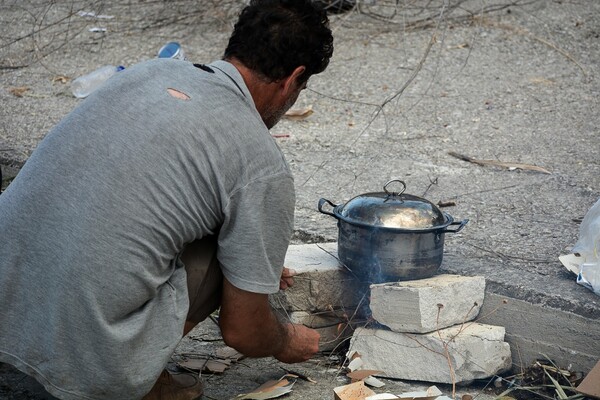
394 193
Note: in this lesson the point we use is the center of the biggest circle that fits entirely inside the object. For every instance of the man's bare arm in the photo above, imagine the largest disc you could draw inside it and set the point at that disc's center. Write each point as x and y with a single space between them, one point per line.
249 325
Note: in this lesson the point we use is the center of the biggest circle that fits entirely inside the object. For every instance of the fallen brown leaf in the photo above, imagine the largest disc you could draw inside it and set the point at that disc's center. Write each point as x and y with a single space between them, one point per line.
196 364
298 375
217 366
299 114
18 91
229 353
270 389
61 78
222 359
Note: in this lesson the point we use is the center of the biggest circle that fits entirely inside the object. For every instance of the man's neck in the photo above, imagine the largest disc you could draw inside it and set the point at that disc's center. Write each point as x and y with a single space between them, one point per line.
263 92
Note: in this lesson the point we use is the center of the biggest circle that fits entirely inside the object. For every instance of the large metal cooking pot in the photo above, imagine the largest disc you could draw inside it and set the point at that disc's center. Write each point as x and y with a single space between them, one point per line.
391 236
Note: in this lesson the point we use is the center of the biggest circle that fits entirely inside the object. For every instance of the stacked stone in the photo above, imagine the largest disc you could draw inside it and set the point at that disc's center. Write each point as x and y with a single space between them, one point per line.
325 296
428 332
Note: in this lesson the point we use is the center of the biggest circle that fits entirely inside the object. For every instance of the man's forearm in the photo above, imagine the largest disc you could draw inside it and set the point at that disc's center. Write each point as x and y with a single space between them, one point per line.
258 334
249 325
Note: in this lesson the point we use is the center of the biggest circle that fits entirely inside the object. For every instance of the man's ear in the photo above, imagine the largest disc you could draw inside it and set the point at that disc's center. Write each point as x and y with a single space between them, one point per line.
291 83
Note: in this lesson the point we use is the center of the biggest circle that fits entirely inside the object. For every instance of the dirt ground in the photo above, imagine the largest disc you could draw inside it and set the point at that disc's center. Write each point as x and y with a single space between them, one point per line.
410 82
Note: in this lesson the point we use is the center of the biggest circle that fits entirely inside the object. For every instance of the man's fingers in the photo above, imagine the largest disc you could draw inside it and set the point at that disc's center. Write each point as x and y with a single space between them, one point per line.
288 272
286 280
285 283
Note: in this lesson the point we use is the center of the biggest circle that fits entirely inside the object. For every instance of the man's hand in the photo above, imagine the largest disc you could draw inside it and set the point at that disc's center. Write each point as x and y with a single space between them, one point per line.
249 325
286 278
302 345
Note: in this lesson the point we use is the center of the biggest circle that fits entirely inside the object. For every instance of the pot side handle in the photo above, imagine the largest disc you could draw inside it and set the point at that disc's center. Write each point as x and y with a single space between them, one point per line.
322 203
460 224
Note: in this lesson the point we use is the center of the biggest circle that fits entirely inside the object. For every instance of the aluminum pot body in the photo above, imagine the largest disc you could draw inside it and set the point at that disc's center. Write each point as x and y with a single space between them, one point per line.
386 253
382 255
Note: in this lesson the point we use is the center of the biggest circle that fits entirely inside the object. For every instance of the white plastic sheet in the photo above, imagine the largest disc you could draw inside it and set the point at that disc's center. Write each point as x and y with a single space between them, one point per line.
585 260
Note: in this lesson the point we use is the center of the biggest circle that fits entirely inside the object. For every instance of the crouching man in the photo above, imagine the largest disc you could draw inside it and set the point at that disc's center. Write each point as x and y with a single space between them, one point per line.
160 198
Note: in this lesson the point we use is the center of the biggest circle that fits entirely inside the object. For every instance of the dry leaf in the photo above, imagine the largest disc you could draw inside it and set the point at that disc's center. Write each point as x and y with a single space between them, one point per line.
449 203
299 114
217 366
270 389
18 91
230 353
509 165
296 374
206 364
61 78
195 364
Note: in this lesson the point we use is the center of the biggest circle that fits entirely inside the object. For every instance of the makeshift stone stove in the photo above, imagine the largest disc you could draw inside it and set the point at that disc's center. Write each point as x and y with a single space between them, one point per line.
416 330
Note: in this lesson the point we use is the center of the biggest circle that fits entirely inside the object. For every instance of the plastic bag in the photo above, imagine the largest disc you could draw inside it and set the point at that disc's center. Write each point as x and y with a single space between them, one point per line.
587 249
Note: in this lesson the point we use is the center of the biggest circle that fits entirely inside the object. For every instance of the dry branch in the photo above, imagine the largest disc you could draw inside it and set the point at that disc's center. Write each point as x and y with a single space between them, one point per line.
508 165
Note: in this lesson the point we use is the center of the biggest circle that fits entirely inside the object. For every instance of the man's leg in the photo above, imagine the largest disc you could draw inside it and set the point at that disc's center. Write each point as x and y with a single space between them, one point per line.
205 281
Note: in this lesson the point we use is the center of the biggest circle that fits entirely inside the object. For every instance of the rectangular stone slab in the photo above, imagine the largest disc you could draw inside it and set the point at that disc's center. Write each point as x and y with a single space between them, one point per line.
425 305
475 351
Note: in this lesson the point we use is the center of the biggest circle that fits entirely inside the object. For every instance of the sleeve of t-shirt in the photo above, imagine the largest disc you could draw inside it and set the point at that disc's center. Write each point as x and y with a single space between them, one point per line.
254 237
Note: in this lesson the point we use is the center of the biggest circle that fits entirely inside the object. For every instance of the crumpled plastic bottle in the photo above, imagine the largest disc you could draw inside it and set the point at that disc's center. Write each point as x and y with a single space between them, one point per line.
171 50
83 86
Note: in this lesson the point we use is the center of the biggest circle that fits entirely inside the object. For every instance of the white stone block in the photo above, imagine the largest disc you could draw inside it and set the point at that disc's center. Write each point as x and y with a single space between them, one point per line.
321 283
475 351
426 305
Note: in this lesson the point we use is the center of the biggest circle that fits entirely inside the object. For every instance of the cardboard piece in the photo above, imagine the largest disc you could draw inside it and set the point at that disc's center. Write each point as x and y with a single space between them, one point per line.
590 386
353 391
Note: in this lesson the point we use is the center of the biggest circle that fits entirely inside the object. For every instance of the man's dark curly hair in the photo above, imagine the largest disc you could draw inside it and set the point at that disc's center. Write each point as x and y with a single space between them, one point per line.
273 37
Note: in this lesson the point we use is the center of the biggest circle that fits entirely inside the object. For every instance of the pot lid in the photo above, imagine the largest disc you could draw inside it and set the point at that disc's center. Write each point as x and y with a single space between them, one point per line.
392 210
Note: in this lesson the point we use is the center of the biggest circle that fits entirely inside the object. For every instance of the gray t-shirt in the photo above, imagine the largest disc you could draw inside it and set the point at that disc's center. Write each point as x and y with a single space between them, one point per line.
93 297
